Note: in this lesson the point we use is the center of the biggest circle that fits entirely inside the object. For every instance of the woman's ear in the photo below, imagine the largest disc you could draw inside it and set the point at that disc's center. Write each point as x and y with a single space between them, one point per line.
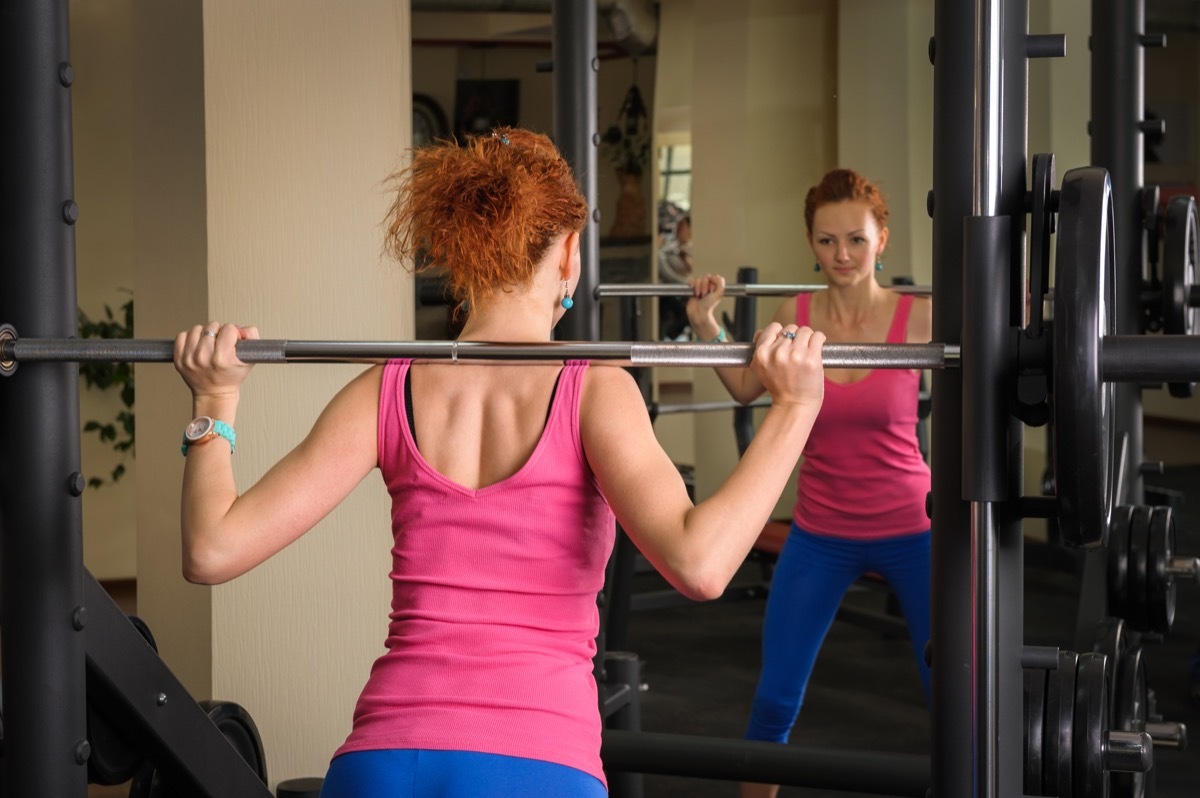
883 239
569 259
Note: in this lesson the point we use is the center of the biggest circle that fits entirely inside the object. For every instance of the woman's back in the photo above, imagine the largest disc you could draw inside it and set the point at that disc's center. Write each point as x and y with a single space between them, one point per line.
477 425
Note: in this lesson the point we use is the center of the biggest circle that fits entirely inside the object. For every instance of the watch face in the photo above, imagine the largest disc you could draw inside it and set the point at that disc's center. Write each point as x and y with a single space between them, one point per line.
198 428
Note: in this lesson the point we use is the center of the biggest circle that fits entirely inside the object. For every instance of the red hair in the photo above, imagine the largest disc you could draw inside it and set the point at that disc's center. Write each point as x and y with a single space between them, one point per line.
486 213
844 185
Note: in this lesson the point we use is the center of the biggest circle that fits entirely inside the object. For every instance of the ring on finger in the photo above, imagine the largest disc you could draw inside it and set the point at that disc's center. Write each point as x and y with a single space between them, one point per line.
212 334
789 335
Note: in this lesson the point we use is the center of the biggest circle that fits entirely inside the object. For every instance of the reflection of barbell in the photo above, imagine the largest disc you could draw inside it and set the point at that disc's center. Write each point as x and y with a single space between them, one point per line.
1080 359
1143 567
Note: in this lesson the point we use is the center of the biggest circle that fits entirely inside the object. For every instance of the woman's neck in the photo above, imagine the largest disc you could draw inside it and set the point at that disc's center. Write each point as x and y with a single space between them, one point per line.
853 305
511 319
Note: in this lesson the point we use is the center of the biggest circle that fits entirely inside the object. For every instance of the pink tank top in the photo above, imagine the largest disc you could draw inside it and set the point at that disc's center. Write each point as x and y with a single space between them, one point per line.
862 475
494 616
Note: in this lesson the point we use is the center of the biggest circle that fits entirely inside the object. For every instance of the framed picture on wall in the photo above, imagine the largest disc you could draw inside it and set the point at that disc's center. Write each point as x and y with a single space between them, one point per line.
429 120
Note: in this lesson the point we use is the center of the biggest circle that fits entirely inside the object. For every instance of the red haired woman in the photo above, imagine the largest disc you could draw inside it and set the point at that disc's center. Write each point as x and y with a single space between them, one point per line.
504 478
861 491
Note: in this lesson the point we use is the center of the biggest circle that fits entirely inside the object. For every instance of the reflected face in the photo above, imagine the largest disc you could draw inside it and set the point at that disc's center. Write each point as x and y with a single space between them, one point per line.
847 241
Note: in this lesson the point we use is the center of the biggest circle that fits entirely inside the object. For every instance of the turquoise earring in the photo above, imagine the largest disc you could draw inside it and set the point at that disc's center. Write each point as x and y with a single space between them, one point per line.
878 265
816 267
567 302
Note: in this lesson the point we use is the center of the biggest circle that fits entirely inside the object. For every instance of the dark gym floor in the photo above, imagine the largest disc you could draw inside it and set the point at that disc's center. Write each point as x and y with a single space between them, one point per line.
700 664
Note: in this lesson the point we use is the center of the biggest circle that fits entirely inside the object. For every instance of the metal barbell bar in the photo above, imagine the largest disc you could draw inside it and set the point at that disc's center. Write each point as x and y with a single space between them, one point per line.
1123 358
915 356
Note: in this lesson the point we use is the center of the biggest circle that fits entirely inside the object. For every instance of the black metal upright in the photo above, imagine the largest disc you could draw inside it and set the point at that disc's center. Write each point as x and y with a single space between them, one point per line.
576 133
1118 109
953 97
41 547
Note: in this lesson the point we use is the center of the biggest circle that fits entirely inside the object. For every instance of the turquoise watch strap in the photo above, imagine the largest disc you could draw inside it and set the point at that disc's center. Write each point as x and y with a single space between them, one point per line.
220 428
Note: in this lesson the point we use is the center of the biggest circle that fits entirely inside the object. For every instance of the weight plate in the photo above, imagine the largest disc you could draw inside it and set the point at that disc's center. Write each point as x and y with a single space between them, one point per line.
1130 709
1160 586
1084 430
235 723
1091 726
1111 642
1035 720
1181 250
1118 561
1139 565
1058 765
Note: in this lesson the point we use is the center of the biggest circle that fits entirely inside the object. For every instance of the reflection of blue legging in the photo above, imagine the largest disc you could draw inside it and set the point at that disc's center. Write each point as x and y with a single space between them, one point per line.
812 575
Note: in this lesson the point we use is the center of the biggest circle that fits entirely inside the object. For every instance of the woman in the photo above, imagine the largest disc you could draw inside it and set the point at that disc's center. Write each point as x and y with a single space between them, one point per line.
862 484
504 478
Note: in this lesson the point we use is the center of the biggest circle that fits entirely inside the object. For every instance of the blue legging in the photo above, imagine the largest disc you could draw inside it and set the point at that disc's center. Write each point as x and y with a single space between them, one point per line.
412 773
812 575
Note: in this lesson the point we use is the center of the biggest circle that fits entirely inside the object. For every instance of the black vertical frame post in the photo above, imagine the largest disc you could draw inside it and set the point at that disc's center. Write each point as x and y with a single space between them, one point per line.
1118 110
1010 559
952 51
575 132
41 548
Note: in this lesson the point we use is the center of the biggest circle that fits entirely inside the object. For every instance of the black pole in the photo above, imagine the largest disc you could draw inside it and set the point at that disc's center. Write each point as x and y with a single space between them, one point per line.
1010 559
41 548
745 322
950 557
1118 109
575 133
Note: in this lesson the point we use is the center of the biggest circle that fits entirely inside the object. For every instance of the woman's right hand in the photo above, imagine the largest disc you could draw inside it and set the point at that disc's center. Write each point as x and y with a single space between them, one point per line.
787 361
206 357
707 291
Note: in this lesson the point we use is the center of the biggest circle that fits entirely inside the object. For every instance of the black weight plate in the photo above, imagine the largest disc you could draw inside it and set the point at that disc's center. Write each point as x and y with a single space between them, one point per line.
1181 250
1118 561
1111 642
235 723
1130 706
1139 565
1035 720
1160 586
1084 431
1091 726
1058 766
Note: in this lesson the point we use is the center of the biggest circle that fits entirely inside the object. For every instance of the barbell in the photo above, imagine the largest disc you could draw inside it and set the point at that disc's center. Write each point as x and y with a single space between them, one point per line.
1084 355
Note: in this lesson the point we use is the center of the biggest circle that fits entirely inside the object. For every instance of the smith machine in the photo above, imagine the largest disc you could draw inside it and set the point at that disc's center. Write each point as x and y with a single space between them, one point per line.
70 655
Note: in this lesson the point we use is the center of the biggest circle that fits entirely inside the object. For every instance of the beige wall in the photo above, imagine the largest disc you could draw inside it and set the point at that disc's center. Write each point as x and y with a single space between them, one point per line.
885 119
102 53
258 196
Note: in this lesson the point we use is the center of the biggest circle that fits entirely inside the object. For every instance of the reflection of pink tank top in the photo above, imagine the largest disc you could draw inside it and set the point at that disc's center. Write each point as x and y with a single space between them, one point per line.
863 475
494 616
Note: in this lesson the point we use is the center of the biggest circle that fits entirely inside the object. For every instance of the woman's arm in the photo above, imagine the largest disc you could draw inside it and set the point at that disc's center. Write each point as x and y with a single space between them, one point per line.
699 548
224 534
741 383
